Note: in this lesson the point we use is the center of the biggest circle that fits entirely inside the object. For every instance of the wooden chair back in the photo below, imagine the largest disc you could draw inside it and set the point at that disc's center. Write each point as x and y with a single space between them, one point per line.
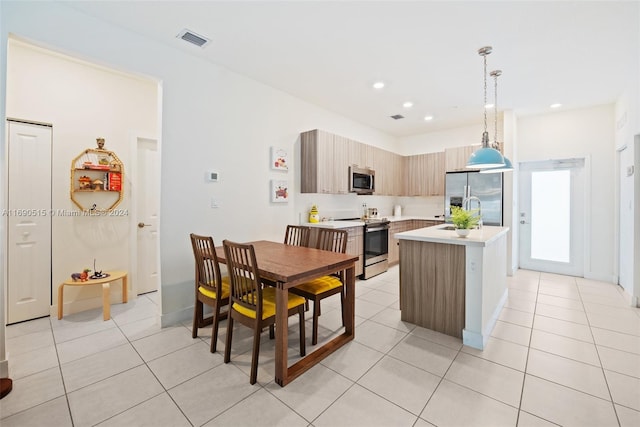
207 267
242 268
297 235
332 239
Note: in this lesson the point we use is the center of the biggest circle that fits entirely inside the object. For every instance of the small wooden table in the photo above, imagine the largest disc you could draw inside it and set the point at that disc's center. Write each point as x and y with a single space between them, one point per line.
288 266
105 282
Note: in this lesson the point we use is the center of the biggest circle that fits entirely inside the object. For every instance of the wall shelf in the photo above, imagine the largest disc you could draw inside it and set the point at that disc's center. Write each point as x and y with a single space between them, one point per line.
97 180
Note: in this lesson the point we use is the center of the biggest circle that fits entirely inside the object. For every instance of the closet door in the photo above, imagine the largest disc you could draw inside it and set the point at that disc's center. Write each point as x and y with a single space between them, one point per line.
29 221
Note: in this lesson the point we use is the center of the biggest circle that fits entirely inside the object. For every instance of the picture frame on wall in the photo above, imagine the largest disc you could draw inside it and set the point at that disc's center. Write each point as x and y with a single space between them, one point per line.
279 191
279 159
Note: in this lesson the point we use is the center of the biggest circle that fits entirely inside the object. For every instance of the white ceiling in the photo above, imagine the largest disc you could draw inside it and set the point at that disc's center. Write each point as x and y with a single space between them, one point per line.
329 53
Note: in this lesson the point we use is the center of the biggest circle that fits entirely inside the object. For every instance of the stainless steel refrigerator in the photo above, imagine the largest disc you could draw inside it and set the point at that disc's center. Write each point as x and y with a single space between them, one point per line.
487 187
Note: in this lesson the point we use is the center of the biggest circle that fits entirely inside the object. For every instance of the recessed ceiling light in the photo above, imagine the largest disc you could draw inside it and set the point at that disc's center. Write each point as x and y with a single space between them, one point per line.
555 105
487 106
408 104
378 85
428 118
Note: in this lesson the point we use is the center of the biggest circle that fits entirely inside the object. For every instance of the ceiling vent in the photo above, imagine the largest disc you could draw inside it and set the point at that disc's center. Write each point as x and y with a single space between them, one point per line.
193 38
397 116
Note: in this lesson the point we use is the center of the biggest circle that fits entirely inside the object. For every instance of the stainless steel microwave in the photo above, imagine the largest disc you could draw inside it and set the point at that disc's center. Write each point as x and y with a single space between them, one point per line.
362 180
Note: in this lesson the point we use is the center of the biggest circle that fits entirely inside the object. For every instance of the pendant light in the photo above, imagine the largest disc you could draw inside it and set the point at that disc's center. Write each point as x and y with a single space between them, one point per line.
485 157
508 167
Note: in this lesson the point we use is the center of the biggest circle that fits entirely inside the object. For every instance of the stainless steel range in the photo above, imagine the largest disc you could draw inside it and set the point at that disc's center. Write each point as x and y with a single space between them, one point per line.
376 247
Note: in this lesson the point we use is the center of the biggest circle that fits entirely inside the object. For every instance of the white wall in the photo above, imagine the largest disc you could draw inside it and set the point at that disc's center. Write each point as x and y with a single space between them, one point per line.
627 142
82 102
586 133
439 140
211 119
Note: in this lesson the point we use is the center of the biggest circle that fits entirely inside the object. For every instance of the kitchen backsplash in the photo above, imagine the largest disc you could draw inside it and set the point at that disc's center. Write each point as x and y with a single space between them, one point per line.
350 205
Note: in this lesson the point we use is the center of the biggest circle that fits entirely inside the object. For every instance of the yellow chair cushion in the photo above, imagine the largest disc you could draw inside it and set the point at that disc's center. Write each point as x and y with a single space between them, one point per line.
269 304
320 285
212 294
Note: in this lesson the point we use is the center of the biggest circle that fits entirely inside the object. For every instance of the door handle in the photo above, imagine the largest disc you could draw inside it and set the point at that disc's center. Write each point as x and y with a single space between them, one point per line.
143 225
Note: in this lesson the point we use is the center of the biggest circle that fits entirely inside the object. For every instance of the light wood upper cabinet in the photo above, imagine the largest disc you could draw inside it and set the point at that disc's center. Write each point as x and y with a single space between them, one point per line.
435 174
424 175
341 163
324 163
456 158
389 172
326 159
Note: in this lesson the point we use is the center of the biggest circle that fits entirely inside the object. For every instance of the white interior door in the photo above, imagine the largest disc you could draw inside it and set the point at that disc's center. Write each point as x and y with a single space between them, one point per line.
28 221
148 215
552 216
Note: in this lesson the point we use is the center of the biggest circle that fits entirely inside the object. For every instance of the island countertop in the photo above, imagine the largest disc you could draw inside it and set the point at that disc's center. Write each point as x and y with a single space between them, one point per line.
440 234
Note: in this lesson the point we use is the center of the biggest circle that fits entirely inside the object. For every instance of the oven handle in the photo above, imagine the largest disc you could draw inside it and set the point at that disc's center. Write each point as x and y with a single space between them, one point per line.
370 229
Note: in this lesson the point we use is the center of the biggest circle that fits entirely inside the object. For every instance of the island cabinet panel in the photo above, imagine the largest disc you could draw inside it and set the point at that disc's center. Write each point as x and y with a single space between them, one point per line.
432 286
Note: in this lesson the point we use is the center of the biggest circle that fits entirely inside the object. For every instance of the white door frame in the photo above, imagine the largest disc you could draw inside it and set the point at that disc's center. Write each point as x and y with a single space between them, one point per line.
584 229
133 214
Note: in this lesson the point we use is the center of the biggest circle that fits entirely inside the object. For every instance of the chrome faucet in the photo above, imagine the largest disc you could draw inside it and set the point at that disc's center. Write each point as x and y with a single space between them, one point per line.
466 204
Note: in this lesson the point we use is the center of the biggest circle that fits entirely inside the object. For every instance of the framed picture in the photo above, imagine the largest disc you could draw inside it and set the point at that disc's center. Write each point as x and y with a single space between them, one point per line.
279 191
279 159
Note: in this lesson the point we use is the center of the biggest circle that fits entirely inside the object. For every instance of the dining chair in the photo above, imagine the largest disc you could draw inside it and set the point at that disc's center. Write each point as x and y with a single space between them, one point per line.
334 240
252 304
297 235
212 288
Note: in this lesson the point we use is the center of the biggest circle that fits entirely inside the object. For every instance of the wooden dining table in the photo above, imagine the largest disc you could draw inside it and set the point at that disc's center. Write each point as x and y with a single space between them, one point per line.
288 266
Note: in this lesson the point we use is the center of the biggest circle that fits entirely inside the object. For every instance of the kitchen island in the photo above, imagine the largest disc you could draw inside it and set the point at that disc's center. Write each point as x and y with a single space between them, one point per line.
451 284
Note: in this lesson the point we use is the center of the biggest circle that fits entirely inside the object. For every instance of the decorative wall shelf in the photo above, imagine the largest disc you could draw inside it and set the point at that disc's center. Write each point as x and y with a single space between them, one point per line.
97 179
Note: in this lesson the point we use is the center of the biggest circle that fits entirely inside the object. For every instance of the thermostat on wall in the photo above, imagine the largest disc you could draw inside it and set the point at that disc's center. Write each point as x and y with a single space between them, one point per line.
212 176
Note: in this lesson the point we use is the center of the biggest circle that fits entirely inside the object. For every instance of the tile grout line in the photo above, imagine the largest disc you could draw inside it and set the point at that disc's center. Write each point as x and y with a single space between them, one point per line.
526 363
604 375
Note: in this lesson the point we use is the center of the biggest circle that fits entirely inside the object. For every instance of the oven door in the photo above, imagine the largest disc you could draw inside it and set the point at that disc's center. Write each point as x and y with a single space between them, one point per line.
376 243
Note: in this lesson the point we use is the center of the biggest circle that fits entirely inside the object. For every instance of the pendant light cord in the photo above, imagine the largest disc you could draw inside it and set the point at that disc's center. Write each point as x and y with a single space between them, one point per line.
485 94
495 74
484 51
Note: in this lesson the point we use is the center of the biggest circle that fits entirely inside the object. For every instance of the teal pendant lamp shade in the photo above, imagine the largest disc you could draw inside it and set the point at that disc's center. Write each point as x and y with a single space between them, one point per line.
485 157
508 167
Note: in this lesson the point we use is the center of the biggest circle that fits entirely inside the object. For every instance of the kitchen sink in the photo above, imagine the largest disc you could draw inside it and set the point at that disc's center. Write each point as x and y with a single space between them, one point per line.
448 227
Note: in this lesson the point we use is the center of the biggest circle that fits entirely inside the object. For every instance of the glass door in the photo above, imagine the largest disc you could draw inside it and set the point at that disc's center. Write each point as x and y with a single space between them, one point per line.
552 216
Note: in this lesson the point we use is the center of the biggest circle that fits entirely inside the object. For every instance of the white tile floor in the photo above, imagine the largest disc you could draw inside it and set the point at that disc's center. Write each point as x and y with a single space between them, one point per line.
565 351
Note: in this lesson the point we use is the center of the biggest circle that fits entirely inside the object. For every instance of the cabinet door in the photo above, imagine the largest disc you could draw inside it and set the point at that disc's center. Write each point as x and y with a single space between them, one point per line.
417 175
434 174
339 170
355 246
456 158
317 158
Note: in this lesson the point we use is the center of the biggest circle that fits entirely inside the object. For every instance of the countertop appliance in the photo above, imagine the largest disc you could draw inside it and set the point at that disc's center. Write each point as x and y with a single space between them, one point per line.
486 187
362 180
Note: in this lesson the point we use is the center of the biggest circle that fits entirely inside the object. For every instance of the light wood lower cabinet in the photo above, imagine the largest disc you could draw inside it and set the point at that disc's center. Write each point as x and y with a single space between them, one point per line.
355 244
399 227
